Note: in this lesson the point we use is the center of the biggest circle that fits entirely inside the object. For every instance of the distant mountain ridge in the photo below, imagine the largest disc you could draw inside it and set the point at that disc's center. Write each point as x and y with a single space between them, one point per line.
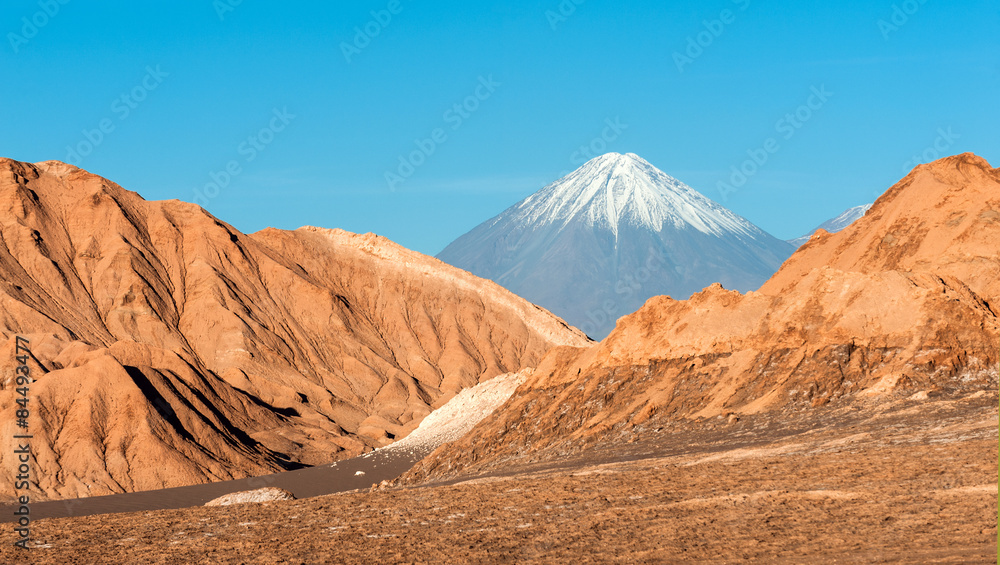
834 225
596 244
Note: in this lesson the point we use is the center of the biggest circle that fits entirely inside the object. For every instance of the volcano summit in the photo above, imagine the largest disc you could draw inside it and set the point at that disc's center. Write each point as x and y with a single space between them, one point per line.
596 244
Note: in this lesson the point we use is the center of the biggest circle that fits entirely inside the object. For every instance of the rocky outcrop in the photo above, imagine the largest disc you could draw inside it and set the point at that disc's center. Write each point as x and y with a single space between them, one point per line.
168 348
269 494
942 218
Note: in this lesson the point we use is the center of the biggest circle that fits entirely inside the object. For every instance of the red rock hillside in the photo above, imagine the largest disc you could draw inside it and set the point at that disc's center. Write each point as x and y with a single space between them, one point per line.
905 298
170 349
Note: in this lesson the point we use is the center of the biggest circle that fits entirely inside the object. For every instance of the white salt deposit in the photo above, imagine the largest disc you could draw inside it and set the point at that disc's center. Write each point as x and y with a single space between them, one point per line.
460 414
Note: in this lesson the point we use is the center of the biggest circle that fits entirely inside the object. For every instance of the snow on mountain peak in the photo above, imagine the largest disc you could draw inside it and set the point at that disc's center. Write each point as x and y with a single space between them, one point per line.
615 189
597 243
835 225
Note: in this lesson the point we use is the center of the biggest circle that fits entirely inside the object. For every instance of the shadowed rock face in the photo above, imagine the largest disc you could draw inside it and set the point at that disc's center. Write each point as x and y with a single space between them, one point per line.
906 297
169 348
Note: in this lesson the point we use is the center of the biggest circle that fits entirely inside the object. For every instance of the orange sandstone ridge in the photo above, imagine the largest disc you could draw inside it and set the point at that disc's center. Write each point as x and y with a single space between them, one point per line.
905 298
169 349
942 218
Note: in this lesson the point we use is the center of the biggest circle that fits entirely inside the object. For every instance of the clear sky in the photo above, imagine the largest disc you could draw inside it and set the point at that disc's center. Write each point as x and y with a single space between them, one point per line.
834 99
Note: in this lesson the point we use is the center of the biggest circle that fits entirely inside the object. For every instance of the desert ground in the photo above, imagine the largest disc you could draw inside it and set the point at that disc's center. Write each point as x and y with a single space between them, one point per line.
905 479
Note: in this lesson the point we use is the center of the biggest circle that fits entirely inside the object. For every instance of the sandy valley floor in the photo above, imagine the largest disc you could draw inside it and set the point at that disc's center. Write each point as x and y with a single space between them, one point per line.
913 481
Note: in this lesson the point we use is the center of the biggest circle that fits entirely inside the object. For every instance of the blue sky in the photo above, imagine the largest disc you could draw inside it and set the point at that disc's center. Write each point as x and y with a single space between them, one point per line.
309 117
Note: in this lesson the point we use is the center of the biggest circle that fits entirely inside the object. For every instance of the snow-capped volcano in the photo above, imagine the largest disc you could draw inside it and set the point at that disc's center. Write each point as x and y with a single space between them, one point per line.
597 243
613 189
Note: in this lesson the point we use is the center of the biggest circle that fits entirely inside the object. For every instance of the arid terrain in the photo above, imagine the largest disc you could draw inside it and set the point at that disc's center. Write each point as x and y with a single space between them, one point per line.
908 308
904 480
170 349
846 412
